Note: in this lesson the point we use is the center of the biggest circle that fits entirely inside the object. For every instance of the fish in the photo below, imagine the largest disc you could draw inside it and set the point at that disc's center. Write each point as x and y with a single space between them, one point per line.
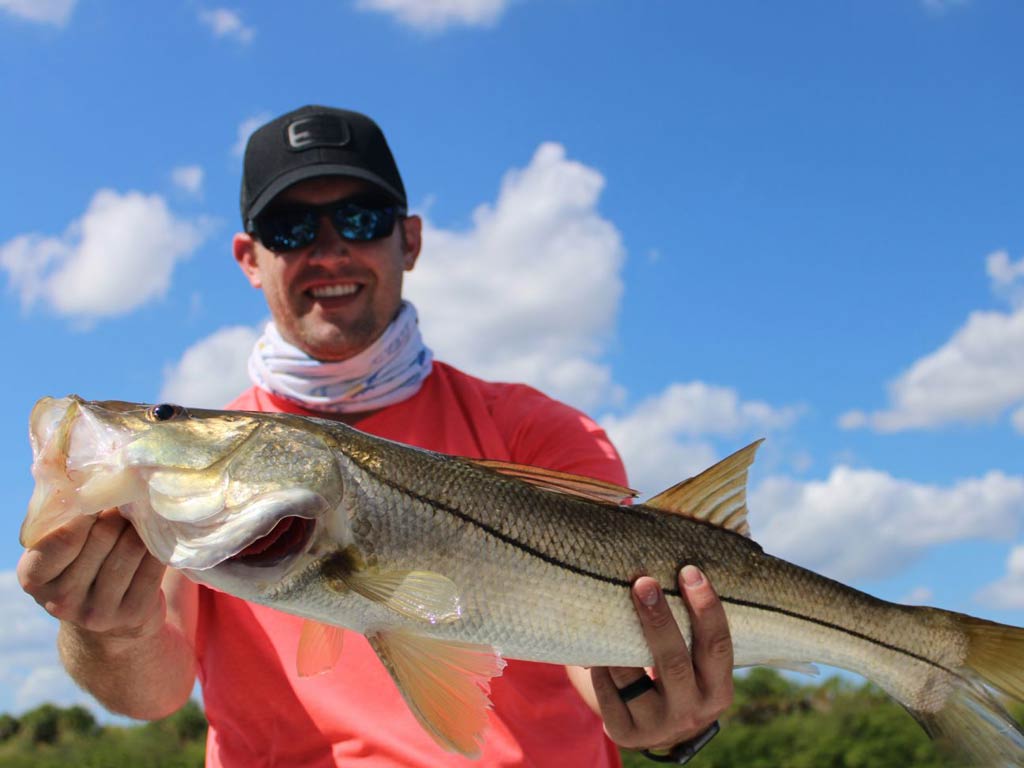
450 565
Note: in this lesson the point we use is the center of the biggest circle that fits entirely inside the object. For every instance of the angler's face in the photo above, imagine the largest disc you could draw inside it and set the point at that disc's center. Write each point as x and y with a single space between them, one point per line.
335 297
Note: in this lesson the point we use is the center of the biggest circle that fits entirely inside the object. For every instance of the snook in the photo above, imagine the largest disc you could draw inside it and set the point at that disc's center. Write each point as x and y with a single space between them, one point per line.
449 564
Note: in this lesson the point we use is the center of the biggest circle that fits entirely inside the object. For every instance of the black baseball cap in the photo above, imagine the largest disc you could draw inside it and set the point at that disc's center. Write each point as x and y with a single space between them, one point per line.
315 141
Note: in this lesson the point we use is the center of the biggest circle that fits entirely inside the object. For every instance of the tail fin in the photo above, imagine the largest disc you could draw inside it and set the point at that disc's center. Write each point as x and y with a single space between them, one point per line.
972 723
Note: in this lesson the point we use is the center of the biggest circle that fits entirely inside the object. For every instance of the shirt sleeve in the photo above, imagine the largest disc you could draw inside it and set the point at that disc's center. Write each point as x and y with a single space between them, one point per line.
544 432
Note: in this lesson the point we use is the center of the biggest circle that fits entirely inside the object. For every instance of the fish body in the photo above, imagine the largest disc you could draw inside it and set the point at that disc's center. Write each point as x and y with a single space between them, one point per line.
449 565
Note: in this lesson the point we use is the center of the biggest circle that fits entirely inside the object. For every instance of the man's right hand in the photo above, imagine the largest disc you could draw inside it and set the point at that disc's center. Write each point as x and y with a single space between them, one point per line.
96 574
128 623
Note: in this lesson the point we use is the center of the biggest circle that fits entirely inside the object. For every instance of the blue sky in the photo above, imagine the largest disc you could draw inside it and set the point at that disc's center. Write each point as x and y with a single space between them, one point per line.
704 223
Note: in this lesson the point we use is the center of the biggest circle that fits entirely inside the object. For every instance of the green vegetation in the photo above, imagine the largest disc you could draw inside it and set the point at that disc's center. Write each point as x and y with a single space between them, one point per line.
774 722
52 737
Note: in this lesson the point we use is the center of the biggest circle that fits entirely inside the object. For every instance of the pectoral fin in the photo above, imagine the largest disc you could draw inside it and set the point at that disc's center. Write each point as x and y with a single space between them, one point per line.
422 595
319 648
445 684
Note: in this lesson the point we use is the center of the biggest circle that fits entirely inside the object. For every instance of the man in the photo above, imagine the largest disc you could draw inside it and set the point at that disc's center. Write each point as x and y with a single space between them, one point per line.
327 239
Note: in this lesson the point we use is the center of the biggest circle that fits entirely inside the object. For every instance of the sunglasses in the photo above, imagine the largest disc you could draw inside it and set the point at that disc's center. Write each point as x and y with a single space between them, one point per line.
290 227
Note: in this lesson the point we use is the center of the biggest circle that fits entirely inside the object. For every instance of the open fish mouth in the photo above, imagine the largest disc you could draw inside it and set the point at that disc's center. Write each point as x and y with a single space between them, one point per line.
289 537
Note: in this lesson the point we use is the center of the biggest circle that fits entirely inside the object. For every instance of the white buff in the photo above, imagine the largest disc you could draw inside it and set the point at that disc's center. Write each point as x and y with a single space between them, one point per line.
390 370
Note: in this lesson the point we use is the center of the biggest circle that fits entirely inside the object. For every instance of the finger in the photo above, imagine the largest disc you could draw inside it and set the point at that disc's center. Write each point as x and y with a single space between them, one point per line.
618 722
668 647
78 577
47 560
712 644
117 572
145 592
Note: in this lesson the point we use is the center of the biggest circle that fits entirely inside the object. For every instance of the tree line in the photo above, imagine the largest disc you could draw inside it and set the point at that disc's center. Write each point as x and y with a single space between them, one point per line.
774 722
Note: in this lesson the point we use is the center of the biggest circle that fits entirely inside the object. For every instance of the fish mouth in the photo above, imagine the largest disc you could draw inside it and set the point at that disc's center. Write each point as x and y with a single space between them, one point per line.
289 537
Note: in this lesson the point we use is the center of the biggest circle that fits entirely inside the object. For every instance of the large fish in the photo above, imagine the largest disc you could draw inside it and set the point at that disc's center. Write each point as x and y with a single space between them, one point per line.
440 562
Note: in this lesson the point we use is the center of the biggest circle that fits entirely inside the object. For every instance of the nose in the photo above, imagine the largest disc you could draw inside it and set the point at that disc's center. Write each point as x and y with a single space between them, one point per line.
328 243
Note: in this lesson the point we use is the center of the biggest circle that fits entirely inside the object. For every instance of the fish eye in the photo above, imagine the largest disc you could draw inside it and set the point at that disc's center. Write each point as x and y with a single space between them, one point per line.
166 412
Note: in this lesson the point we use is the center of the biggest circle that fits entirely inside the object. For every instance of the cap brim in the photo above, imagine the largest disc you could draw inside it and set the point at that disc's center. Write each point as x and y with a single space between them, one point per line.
285 180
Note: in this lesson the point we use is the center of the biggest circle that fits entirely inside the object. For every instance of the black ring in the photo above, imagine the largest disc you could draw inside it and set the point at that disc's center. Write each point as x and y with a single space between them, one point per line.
636 688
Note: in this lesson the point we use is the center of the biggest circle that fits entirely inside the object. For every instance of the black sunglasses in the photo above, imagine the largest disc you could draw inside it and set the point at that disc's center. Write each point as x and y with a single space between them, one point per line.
289 227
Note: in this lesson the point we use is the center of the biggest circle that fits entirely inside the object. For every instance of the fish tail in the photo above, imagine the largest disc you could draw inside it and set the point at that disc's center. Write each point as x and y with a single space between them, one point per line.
972 722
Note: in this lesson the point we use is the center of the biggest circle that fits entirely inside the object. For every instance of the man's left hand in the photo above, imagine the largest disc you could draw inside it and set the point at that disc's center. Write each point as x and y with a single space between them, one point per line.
691 688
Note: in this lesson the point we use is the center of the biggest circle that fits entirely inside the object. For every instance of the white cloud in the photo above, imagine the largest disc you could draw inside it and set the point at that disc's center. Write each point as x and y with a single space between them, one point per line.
539 273
1017 419
227 23
119 255
1007 277
975 376
30 670
188 178
437 15
862 523
246 129
664 439
212 372
1008 592
28 651
56 12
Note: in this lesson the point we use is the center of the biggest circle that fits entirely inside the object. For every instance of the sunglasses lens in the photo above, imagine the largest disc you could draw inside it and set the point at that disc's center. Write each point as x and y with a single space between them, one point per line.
287 229
354 222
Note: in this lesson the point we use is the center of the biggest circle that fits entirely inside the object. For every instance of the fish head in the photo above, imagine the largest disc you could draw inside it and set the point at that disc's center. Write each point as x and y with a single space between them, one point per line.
201 487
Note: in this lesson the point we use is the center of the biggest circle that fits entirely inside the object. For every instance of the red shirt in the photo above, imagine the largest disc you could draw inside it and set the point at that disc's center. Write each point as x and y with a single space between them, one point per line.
262 714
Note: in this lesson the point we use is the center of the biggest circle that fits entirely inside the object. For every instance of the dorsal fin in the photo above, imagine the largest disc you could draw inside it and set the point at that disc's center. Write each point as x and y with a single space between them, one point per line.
561 482
717 495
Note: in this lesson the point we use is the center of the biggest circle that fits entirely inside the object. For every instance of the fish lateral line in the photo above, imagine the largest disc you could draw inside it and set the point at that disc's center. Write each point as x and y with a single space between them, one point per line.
838 628
505 538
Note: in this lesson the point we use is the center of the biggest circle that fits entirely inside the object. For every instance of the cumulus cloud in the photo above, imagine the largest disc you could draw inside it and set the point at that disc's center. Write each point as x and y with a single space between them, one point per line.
1017 419
188 178
537 316
118 256
30 672
212 372
227 23
1008 592
246 129
56 12
664 438
1007 277
438 15
811 523
975 376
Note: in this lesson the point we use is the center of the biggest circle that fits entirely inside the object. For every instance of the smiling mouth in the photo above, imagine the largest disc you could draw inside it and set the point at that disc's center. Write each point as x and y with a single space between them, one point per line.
334 291
288 537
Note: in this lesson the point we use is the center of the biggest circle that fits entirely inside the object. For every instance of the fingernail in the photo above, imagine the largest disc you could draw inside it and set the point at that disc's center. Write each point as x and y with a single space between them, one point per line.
649 593
692 577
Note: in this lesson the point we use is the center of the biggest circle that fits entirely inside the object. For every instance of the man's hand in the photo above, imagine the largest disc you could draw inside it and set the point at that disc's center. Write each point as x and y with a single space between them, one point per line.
96 574
691 689
128 623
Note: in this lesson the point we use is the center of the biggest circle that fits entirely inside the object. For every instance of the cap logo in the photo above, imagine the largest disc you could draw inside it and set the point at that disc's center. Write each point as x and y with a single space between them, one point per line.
318 131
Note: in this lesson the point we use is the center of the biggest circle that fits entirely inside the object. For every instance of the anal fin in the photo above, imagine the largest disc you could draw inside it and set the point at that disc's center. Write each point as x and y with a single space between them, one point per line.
446 684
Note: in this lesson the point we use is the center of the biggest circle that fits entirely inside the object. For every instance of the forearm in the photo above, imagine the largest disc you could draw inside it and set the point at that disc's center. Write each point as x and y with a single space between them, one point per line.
146 677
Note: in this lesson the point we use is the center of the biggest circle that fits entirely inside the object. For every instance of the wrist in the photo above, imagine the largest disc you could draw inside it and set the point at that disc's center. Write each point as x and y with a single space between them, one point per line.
107 644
